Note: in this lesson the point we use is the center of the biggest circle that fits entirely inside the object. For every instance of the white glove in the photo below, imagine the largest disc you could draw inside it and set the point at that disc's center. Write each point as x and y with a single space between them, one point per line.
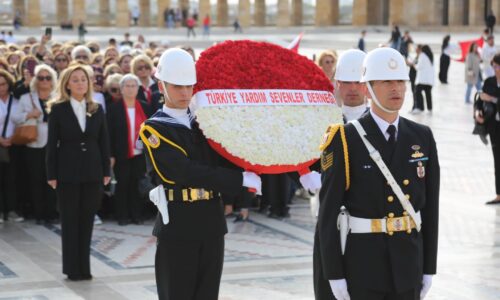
252 180
339 289
426 285
158 197
311 181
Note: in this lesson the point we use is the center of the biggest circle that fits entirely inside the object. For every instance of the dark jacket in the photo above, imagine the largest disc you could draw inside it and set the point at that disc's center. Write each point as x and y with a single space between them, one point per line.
118 130
74 156
156 97
187 161
378 261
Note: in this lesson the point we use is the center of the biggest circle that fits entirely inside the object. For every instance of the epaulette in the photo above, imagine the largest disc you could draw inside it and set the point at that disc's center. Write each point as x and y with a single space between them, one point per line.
152 140
329 134
327 158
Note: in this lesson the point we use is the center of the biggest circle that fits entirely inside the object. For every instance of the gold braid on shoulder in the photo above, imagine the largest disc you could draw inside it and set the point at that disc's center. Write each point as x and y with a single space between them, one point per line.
327 140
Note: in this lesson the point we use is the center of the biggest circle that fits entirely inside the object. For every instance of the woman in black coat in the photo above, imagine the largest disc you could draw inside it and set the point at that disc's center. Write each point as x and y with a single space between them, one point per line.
124 120
78 164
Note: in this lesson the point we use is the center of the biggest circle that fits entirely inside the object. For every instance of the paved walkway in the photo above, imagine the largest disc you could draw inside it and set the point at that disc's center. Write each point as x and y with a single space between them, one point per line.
272 260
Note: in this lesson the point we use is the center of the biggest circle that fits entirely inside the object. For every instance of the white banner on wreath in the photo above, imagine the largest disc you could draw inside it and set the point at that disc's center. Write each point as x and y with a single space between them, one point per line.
236 97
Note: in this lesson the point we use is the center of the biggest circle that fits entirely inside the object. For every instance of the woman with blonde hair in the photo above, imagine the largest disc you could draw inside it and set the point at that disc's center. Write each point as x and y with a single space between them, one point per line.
78 164
327 61
142 67
33 105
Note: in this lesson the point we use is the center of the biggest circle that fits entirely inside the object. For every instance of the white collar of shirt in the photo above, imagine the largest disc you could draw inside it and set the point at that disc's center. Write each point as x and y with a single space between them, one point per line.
383 124
180 115
353 112
151 82
77 104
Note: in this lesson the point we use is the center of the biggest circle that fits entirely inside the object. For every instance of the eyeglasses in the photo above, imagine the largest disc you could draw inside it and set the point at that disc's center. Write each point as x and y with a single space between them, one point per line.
42 78
329 61
114 90
61 60
143 67
85 57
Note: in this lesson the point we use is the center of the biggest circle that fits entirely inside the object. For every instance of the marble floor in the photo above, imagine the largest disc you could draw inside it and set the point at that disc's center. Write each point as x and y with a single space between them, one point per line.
268 259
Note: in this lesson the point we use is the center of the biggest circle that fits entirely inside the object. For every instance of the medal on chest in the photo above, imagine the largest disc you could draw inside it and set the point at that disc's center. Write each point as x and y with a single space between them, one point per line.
420 170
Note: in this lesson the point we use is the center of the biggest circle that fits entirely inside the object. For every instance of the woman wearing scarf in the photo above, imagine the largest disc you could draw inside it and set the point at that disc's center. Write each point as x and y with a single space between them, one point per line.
125 118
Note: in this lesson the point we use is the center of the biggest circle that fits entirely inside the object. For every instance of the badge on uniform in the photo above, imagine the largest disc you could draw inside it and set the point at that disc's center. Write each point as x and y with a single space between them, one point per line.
417 153
326 161
420 170
153 140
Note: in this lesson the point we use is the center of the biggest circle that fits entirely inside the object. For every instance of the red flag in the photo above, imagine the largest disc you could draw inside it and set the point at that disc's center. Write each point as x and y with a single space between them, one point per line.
465 45
294 45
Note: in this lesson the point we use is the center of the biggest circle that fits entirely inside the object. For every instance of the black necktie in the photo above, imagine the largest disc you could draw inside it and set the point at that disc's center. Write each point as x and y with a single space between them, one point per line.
391 130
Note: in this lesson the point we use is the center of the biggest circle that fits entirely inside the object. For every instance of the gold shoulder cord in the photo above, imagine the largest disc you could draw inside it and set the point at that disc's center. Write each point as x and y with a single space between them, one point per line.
150 145
329 135
346 158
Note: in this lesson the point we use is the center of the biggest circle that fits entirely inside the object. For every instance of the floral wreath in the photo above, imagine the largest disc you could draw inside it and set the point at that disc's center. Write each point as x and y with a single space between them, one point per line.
263 107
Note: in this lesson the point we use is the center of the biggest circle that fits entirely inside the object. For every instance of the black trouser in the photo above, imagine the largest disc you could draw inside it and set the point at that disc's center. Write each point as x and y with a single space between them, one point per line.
413 76
364 294
494 132
428 96
242 200
276 191
41 194
191 31
8 184
189 269
444 64
78 203
128 203
322 290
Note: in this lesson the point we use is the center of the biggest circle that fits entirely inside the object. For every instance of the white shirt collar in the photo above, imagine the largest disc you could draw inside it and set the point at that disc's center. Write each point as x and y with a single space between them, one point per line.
75 103
383 124
353 112
175 112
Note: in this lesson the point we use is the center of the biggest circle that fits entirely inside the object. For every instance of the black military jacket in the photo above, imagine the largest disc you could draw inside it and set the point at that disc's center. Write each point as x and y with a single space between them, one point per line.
181 158
378 261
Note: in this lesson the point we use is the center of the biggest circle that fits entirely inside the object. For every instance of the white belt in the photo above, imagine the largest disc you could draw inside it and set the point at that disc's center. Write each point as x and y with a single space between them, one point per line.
387 225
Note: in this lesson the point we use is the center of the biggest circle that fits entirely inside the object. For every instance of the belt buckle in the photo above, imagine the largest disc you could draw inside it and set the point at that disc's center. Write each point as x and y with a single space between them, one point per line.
197 194
398 224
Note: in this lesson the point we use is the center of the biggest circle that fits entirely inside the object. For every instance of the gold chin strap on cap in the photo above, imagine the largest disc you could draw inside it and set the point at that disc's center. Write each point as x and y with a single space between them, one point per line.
375 100
153 142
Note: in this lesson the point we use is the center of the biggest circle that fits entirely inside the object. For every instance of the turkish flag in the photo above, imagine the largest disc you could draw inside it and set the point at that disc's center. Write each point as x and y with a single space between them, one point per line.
465 45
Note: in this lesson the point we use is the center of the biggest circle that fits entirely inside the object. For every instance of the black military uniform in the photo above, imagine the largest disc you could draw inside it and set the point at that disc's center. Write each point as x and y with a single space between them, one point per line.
190 249
378 265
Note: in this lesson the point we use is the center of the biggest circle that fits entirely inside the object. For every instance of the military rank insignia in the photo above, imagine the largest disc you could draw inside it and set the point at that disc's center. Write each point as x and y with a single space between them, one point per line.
153 141
326 161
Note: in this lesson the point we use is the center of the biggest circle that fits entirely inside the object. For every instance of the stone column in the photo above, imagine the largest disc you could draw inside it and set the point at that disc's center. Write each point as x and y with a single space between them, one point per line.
283 19
162 5
222 13
360 12
244 15
18 6
145 9
456 12
396 12
33 18
122 13
104 12
476 12
430 12
260 13
297 12
62 11
203 10
79 13
184 4
327 12
495 6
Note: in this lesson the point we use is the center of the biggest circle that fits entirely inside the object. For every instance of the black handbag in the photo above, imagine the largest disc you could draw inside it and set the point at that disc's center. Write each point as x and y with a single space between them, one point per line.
4 151
488 109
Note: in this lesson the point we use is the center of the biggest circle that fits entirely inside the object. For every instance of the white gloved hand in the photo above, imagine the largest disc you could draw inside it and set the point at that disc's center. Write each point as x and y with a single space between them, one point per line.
252 180
311 181
339 289
426 285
